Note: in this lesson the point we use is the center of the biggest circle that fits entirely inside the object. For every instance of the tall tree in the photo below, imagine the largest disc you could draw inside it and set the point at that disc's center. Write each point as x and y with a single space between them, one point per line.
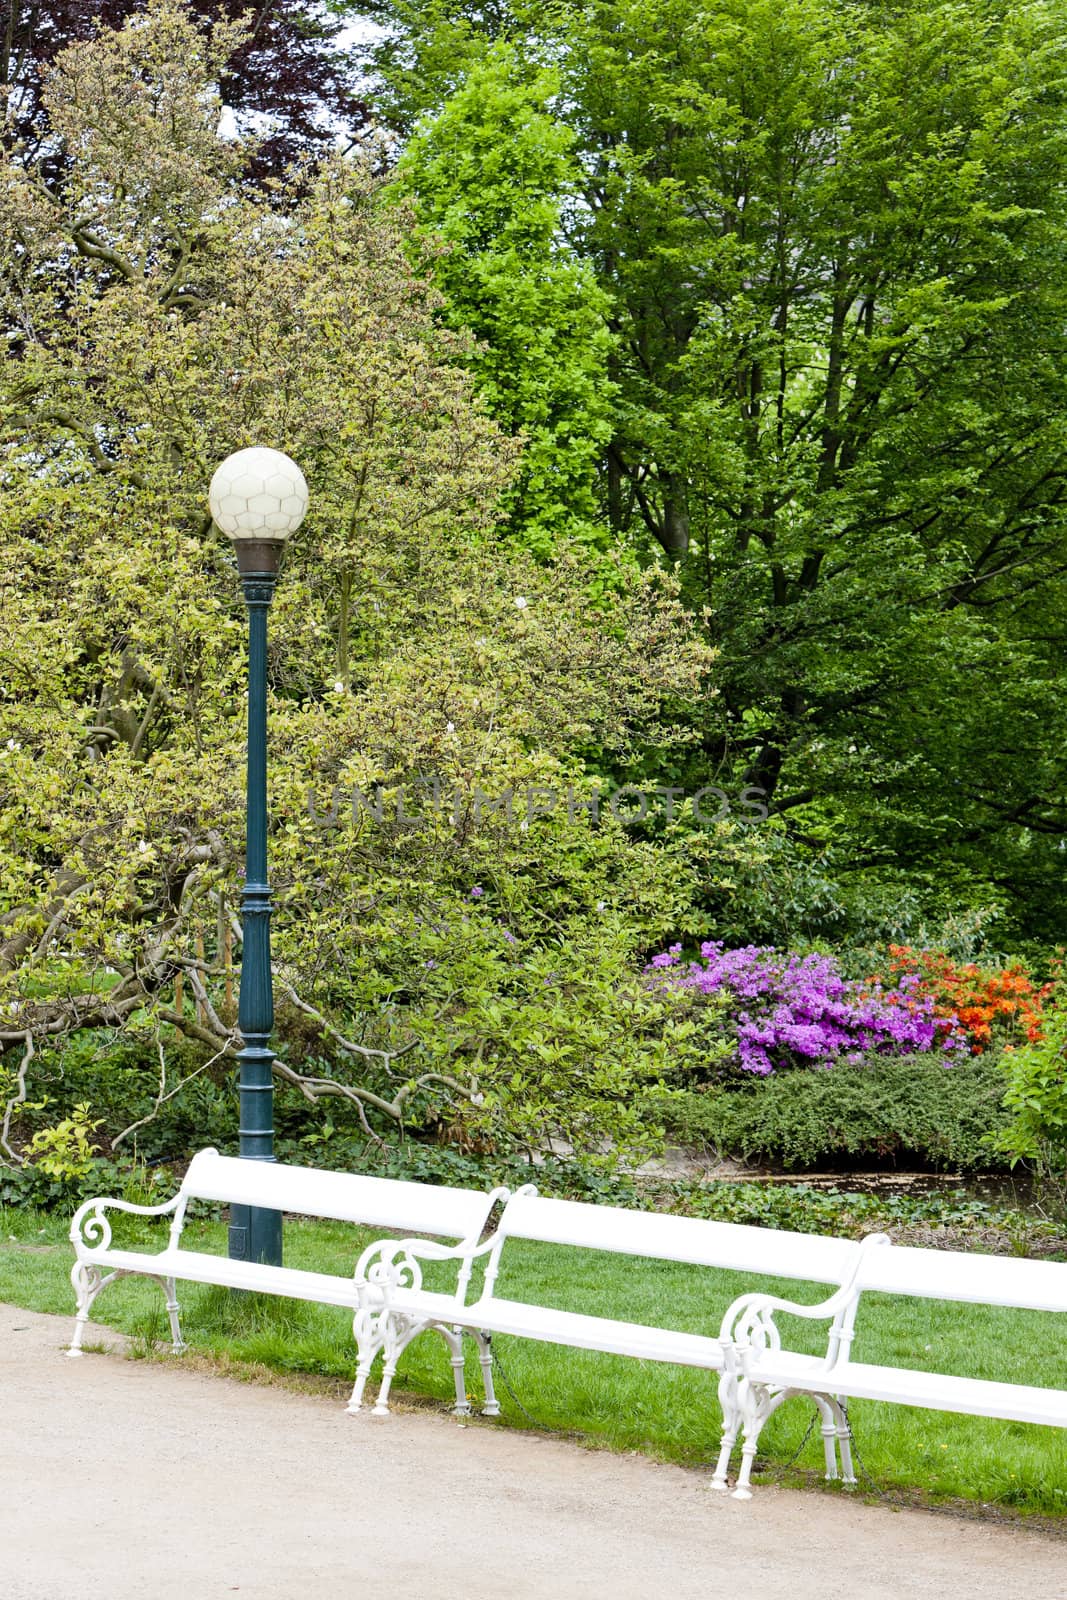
287 79
167 312
830 234
492 178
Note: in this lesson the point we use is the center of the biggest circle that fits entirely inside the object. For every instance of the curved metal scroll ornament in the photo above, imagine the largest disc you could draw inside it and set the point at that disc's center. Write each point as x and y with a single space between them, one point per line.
380 1329
95 1229
90 1228
88 1281
756 1328
395 1269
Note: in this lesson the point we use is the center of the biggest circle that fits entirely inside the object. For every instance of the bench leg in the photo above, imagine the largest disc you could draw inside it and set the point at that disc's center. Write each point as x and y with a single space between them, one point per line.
755 1404
744 1477
731 1423
177 1344
397 1334
87 1284
829 1432
355 1402
367 1332
453 1338
380 1408
491 1408
844 1444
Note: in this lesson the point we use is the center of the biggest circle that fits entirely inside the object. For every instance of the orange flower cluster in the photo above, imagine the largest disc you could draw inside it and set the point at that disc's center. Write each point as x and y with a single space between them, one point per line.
989 1005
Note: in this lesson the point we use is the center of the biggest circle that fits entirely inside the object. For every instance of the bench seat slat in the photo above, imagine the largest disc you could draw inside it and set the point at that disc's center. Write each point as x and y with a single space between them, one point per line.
933 1391
341 1196
189 1266
600 1333
570 1328
659 1236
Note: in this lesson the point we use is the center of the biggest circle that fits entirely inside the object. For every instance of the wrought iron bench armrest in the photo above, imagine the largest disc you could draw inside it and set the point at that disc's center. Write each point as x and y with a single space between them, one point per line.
390 1264
90 1228
749 1324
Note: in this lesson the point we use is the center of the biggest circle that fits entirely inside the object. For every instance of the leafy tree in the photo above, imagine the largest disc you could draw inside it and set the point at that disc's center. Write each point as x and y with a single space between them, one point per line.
473 966
831 236
492 177
286 68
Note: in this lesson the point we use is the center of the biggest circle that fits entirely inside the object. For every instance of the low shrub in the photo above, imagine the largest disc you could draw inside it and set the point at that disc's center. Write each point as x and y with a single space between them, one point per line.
847 1213
917 1110
117 1076
38 1186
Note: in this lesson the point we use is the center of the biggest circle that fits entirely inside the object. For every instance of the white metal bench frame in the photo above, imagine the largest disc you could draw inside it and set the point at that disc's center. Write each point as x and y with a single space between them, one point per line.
758 1374
767 1375
396 1309
460 1214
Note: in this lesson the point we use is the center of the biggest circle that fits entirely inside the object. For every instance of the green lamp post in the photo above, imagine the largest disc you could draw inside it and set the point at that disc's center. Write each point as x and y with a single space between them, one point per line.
259 498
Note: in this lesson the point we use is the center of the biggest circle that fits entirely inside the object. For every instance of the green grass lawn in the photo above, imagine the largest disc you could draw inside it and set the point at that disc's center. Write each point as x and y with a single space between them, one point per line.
670 1412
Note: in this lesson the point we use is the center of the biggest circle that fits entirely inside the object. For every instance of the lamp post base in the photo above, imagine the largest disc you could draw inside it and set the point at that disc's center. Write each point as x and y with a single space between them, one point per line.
256 1232
255 1235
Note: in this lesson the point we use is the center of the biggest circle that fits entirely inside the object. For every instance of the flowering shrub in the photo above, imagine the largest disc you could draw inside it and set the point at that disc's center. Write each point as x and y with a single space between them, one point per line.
792 1009
983 1006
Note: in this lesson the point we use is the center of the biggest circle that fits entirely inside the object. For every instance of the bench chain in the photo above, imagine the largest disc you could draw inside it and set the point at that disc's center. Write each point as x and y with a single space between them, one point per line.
857 1459
543 1427
498 1366
884 1495
780 1471
954 1509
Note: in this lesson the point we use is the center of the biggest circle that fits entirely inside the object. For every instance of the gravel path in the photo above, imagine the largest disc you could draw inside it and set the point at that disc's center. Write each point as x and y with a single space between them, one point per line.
124 1480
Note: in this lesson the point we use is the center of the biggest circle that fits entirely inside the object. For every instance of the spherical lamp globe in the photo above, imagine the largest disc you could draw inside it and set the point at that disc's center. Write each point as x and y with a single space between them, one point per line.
259 495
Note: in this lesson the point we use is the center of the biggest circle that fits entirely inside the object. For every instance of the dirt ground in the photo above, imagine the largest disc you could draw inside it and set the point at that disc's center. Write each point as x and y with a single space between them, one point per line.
124 1480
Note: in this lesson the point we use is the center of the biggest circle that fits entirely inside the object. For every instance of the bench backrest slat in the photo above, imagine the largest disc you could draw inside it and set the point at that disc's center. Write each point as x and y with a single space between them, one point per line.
961 1276
346 1197
694 1240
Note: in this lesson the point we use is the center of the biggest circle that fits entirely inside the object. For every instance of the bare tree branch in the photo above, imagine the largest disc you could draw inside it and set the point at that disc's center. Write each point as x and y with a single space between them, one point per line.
164 1094
349 1046
17 1098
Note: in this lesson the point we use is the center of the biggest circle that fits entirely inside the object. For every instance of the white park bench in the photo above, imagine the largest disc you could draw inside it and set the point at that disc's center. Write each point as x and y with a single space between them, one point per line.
767 1375
397 1308
459 1214
391 1307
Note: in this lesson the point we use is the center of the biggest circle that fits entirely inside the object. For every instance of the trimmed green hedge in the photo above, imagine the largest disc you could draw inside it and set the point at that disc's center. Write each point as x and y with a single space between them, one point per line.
905 1110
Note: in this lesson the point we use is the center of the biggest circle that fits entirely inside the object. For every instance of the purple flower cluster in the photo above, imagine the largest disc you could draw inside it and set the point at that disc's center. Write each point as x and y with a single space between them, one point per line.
789 1009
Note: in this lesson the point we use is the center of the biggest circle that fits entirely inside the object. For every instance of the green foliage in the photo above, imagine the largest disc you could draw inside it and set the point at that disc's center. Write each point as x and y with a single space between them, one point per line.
770 291
1036 1096
830 235
492 176
30 1187
116 1073
65 1149
800 1208
167 314
904 1110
